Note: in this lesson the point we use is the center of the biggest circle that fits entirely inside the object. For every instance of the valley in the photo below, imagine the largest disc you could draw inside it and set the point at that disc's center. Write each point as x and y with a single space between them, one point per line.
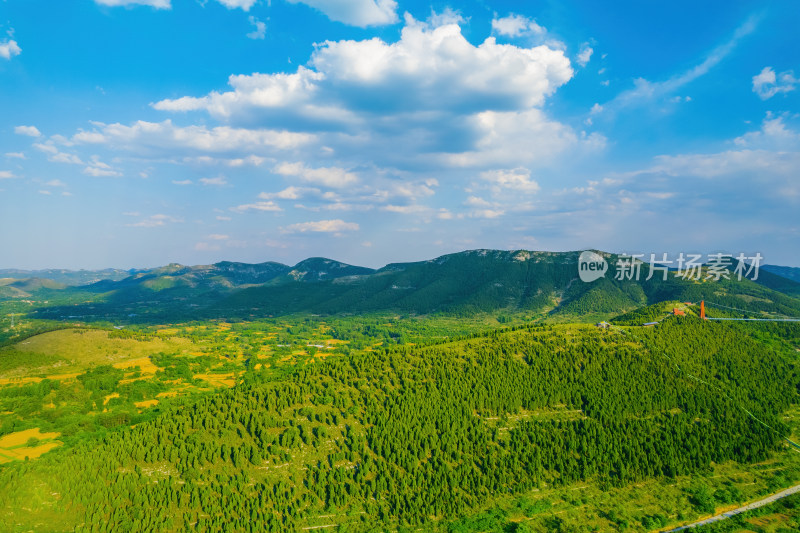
489 413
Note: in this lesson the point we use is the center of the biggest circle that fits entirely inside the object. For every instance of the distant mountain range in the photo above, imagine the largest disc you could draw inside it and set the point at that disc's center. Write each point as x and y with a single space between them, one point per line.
68 277
536 283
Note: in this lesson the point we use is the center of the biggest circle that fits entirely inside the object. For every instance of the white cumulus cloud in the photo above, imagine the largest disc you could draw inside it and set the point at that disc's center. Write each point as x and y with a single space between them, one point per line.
429 68
371 114
518 179
767 84
9 48
443 99
774 135
30 131
436 67
516 25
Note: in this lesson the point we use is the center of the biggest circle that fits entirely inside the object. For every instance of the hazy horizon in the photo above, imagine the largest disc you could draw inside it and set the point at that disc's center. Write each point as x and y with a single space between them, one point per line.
375 265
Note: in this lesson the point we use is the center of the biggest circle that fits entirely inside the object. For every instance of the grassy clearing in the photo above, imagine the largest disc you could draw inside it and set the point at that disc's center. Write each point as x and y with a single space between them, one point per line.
51 354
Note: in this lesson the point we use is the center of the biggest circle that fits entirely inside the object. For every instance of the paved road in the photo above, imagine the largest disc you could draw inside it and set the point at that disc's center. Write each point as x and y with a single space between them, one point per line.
748 507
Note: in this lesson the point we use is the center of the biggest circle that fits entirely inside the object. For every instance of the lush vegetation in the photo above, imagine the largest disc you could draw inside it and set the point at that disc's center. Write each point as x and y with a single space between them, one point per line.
411 437
457 394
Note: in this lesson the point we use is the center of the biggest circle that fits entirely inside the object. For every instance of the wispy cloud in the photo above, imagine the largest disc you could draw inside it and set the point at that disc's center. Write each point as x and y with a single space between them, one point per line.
158 4
289 193
322 226
56 156
360 13
260 30
258 206
219 181
155 221
244 5
206 247
645 91
330 177
584 55
98 169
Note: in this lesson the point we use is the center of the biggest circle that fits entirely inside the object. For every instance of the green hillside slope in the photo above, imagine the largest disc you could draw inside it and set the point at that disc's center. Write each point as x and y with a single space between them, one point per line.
419 437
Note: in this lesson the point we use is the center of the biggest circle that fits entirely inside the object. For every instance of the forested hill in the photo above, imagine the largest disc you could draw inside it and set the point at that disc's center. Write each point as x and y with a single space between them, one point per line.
227 275
792 273
399 439
535 283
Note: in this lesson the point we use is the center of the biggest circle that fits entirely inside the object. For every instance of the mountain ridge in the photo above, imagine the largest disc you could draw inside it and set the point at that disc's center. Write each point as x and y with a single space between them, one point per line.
535 282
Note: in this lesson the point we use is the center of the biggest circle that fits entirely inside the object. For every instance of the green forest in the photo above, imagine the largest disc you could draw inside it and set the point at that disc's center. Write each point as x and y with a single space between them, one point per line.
481 391
408 437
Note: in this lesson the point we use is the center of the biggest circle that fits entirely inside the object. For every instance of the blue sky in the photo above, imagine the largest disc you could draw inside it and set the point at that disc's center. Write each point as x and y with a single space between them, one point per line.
138 133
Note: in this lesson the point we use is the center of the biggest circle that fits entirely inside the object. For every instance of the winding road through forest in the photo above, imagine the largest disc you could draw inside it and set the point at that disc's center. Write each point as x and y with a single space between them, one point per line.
750 506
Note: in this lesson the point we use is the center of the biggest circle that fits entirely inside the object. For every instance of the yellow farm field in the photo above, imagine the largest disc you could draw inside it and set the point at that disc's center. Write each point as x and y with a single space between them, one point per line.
25 380
13 446
145 365
218 380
